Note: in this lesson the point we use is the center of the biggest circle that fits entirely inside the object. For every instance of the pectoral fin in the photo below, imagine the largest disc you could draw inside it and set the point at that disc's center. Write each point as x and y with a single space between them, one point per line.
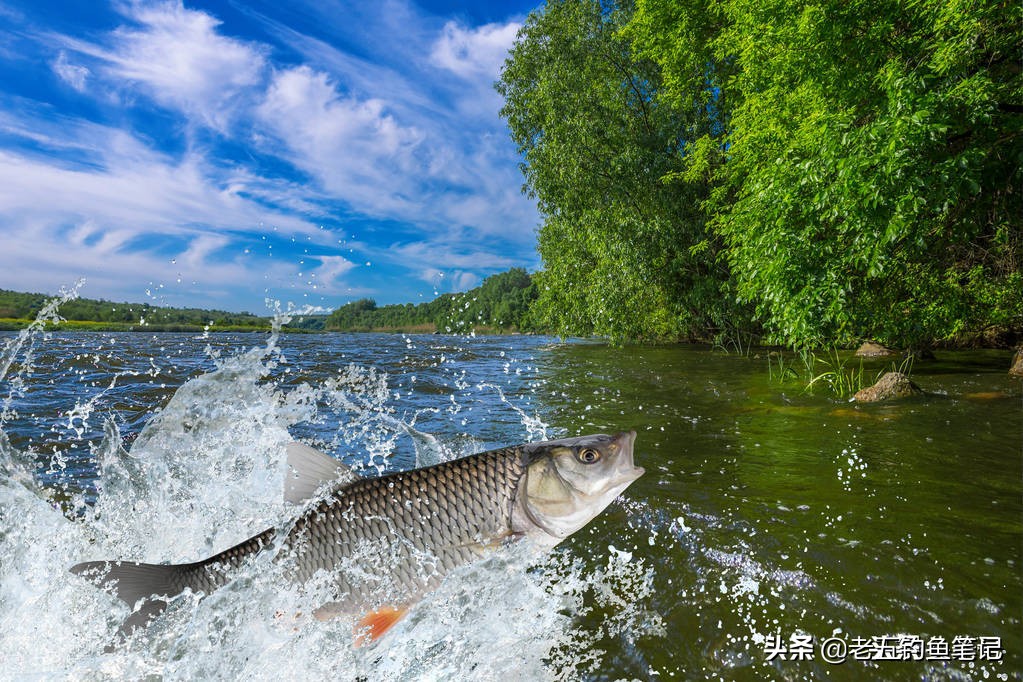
496 542
370 627
375 624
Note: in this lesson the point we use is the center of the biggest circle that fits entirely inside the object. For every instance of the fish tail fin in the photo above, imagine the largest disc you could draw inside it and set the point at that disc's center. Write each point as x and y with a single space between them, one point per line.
131 582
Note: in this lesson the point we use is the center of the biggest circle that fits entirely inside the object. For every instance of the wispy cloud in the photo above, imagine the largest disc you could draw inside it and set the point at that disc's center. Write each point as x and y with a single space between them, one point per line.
137 190
177 57
355 148
72 74
464 254
458 280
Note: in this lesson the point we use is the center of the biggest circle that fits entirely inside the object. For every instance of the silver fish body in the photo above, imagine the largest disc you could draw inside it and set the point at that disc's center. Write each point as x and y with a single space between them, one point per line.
391 539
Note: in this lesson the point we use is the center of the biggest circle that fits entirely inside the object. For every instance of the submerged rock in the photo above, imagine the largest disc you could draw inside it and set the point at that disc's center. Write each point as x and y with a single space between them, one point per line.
1016 369
891 386
986 395
874 350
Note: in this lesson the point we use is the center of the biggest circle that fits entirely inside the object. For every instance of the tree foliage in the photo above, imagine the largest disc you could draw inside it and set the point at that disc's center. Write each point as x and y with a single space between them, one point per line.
501 302
624 255
868 181
856 165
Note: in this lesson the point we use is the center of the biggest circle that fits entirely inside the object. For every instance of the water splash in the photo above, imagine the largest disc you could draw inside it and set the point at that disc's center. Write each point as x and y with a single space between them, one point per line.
536 428
23 346
205 472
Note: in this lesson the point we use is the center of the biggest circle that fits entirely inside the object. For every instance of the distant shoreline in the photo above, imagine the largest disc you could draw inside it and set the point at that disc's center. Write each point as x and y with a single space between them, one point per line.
17 324
13 325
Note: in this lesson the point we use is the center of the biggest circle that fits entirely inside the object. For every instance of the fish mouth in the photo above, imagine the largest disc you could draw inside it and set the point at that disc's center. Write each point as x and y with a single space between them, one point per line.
626 471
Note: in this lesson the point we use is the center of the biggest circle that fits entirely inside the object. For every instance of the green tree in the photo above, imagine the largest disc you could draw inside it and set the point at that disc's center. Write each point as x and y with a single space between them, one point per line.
502 301
625 255
867 176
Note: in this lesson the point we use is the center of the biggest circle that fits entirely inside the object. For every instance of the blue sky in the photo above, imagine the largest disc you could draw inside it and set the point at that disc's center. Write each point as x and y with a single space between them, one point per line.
216 153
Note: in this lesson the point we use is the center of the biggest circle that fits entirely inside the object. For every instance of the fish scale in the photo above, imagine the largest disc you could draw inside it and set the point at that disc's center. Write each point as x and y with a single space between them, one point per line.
443 512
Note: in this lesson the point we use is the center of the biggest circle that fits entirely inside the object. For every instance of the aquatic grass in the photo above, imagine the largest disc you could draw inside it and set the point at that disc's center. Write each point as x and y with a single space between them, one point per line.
740 343
799 367
904 367
780 369
843 380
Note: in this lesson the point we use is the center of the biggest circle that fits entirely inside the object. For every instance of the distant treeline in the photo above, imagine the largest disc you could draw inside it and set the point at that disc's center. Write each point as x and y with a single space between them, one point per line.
17 309
501 303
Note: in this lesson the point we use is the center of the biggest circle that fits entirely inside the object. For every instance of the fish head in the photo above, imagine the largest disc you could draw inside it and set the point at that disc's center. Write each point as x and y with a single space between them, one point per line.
568 482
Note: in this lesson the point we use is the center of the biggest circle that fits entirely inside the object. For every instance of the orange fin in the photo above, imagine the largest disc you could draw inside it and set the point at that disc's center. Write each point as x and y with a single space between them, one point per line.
374 624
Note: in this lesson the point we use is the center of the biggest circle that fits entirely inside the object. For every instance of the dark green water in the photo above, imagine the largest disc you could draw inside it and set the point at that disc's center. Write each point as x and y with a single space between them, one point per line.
807 514
766 511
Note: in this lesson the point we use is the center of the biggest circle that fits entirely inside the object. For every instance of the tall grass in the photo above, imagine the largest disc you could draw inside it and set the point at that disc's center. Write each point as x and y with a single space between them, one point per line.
842 379
739 343
780 369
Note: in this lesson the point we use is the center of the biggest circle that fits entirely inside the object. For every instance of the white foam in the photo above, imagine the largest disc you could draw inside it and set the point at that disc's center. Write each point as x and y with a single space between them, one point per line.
207 472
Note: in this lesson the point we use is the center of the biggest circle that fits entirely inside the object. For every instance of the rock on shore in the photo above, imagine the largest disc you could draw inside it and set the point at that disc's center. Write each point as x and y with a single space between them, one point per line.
874 350
891 386
1017 363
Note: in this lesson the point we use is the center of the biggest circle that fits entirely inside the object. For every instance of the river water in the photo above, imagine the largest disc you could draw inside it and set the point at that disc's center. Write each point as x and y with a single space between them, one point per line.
777 534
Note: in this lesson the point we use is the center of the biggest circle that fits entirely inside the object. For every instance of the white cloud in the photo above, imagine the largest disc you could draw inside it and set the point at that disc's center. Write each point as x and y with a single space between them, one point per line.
452 255
359 152
474 52
363 77
331 268
121 221
143 195
463 281
199 250
39 256
334 121
72 74
449 280
463 170
429 172
432 276
407 131
180 60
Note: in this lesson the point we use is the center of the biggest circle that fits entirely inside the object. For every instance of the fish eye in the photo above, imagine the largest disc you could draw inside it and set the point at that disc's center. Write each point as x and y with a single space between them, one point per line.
588 456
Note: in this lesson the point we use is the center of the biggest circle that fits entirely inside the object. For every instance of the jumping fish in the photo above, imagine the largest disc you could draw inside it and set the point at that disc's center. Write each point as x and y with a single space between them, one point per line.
387 541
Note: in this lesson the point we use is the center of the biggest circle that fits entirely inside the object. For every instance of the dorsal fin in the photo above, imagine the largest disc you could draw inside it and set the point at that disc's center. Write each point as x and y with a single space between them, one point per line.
309 469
